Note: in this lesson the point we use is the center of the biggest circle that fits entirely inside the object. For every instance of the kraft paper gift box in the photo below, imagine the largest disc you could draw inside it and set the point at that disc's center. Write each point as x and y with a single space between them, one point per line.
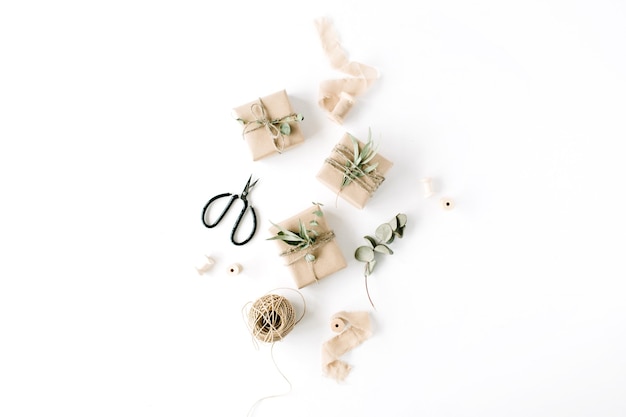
328 258
270 125
361 188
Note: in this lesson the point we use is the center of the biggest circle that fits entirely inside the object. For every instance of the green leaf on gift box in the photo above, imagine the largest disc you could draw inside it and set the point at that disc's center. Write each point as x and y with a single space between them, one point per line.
309 257
370 168
289 237
299 117
301 239
359 165
356 160
285 129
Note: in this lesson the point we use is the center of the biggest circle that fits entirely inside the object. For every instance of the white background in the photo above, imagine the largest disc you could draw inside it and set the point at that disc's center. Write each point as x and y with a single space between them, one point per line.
116 128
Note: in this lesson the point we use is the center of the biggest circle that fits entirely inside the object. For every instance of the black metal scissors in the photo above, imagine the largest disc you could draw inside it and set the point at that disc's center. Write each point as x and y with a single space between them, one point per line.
243 197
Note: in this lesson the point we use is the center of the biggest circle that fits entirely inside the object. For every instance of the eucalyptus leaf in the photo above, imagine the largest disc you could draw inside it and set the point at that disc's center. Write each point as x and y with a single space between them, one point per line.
309 257
370 266
394 224
313 223
301 239
285 129
371 240
318 213
383 249
355 145
302 229
384 232
370 168
365 152
364 254
358 166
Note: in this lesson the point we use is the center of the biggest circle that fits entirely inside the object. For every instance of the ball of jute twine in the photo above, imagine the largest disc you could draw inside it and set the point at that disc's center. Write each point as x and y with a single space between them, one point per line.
271 318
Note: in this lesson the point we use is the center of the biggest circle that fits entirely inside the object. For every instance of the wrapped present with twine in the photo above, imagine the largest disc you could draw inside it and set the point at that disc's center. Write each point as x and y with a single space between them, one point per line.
270 125
354 170
307 246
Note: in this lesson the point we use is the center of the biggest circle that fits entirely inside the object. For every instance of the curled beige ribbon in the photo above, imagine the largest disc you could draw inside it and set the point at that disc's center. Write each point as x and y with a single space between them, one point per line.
262 121
353 328
337 97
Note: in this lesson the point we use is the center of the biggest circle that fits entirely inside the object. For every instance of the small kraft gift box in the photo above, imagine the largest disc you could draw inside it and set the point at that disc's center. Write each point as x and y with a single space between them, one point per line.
354 170
270 125
308 246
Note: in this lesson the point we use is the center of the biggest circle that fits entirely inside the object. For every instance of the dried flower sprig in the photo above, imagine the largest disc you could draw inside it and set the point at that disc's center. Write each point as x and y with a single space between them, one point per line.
384 235
360 165
303 237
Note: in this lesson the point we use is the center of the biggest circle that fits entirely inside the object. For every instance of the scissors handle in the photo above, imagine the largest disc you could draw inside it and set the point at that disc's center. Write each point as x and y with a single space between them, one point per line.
221 216
236 226
233 197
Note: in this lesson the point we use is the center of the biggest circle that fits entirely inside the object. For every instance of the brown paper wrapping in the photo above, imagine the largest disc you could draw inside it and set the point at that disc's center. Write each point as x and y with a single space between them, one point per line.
328 256
259 141
353 193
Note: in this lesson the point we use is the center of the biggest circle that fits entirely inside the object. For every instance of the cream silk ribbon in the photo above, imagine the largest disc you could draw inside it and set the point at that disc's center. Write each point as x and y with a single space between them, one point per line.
353 328
337 97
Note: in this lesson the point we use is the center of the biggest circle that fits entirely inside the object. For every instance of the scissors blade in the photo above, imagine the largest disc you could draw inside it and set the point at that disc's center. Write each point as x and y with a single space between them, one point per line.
248 186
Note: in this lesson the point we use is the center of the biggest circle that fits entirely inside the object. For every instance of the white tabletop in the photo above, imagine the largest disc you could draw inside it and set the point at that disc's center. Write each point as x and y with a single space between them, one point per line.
116 128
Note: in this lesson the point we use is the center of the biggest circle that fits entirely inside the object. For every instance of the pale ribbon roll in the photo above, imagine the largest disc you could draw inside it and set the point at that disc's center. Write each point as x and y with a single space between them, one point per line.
337 97
353 328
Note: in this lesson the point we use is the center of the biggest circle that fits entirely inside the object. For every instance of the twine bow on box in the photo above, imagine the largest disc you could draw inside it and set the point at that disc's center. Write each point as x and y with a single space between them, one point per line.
276 129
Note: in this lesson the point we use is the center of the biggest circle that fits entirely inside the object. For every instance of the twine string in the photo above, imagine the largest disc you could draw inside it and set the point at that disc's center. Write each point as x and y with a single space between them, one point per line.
270 319
367 181
295 253
260 400
263 122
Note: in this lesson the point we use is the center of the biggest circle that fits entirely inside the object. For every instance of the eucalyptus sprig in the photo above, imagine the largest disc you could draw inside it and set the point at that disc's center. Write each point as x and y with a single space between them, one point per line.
379 243
360 165
303 237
